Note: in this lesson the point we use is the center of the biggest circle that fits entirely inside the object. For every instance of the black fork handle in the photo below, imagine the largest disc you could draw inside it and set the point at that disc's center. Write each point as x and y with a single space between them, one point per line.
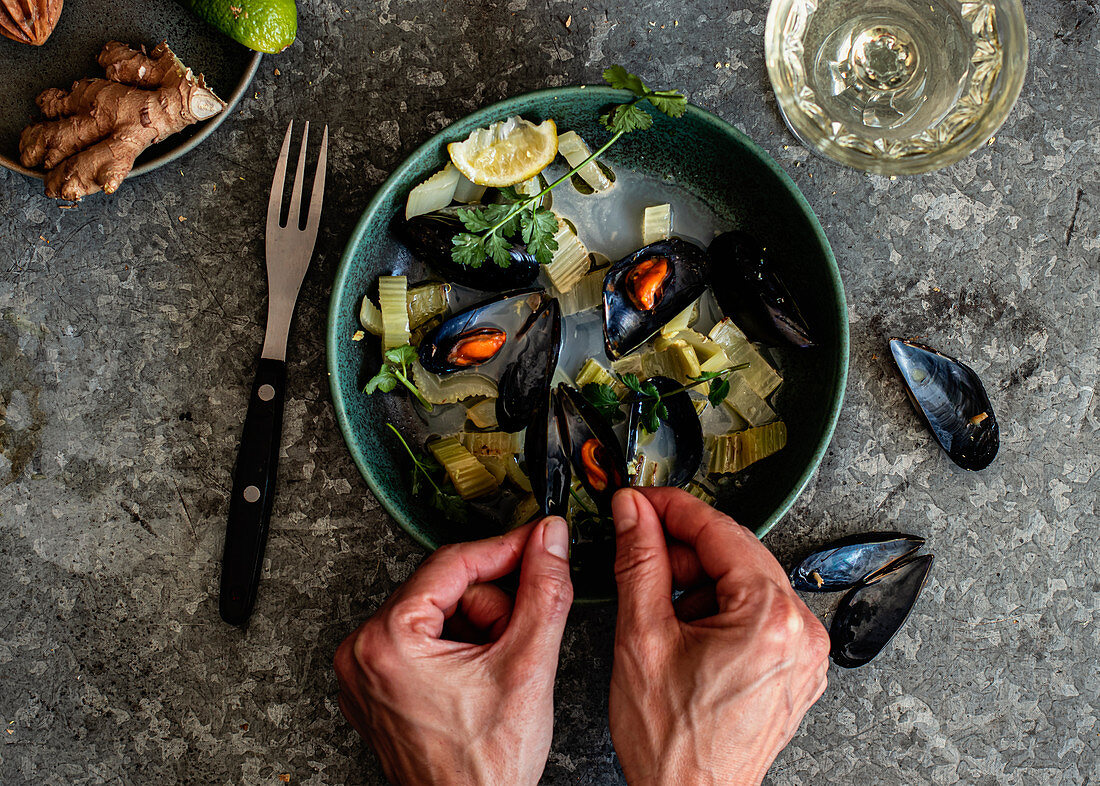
253 493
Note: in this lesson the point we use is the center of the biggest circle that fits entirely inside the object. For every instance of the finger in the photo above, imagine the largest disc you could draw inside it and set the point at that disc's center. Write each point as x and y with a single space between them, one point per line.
544 595
687 571
642 569
421 604
728 552
696 604
481 616
353 717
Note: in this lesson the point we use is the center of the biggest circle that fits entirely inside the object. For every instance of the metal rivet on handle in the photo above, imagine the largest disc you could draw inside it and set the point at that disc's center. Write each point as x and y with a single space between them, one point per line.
251 494
266 392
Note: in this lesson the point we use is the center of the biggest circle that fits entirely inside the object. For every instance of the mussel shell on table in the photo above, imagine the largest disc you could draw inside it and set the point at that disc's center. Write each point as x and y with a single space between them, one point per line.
845 563
467 330
749 291
429 237
593 448
525 382
869 615
952 401
644 290
685 437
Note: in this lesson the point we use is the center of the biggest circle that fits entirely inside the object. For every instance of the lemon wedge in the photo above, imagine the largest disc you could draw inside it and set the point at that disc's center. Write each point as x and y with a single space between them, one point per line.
505 153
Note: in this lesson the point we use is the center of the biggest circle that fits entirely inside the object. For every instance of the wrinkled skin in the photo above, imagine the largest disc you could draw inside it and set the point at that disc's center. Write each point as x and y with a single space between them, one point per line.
711 689
452 681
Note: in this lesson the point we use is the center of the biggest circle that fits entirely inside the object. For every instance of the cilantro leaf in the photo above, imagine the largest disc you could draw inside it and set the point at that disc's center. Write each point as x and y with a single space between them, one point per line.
621 79
650 390
403 355
650 420
384 381
497 248
669 102
510 195
476 219
468 250
625 118
631 381
719 389
603 398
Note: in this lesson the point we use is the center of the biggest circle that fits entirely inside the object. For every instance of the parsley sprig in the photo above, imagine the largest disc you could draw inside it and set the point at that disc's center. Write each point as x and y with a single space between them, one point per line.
489 228
441 494
395 369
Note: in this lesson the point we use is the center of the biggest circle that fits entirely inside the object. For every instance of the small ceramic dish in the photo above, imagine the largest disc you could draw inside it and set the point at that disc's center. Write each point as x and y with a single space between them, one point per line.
700 153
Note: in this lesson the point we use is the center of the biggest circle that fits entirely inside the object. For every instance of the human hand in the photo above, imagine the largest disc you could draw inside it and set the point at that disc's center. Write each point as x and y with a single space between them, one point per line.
450 681
711 689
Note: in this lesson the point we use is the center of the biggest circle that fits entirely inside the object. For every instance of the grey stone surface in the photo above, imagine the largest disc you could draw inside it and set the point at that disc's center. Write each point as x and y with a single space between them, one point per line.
127 342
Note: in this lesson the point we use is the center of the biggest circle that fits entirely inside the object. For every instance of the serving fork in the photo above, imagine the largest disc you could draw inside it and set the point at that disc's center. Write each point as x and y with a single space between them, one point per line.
288 250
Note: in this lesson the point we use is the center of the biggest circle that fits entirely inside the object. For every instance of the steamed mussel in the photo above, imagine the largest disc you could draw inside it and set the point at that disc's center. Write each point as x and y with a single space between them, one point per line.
547 458
479 334
749 290
644 290
676 447
525 382
592 446
949 396
429 237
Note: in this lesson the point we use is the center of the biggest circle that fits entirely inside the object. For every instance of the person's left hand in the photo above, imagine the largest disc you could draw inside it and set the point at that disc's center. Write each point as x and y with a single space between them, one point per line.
452 682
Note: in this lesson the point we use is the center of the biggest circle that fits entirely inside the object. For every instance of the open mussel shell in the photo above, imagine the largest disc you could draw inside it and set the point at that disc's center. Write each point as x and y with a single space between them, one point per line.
643 291
525 382
480 334
677 446
750 292
870 615
949 396
846 562
547 458
593 448
429 237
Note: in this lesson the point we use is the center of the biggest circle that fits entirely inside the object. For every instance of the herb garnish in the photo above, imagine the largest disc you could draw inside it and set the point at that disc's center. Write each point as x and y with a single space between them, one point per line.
489 227
603 398
441 495
395 368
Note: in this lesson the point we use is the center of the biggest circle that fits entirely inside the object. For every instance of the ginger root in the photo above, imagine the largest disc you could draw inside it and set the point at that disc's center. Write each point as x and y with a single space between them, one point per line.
97 129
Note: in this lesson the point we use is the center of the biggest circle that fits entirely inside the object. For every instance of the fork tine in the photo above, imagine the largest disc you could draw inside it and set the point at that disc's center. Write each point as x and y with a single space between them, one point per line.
275 201
318 187
299 183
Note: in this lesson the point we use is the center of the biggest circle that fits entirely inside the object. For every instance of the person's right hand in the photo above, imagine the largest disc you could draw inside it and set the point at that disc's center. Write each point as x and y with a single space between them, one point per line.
708 691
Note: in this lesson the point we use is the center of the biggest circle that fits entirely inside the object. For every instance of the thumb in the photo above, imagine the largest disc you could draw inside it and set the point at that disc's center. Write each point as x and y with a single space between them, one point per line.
545 591
642 568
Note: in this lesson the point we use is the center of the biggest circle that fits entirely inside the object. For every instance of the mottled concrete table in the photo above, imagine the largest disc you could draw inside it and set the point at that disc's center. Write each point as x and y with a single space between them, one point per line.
129 327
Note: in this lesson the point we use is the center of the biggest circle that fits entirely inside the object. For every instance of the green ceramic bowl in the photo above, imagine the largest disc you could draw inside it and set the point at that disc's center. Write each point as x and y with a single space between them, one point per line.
699 152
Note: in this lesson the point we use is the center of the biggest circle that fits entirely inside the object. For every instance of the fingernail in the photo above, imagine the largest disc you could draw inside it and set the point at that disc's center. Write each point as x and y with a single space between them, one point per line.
624 510
555 537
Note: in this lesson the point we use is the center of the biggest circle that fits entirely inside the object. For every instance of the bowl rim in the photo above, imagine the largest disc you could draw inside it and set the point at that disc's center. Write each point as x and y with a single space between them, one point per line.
170 155
482 117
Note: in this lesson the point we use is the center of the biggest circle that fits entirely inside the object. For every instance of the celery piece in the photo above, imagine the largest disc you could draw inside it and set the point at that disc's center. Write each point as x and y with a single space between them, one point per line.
760 376
451 389
526 510
426 301
515 473
681 321
370 317
743 400
470 477
435 192
483 414
393 301
492 443
587 294
467 191
574 149
733 452
592 371
656 224
570 261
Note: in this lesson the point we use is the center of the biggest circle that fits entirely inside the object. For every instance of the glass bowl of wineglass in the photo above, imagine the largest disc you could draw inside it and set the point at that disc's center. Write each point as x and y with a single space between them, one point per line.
896 86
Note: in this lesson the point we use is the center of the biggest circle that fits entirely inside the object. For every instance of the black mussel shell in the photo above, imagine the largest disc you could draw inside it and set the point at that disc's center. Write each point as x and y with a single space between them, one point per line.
504 314
870 615
846 562
547 459
525 382
643 291
429 238
750 292
686 453
593 448
951 399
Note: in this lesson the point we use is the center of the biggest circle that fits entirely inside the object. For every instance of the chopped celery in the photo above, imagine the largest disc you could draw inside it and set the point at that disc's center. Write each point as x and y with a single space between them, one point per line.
743 400
592 371
576 151
656 223
733 452
492 443
495 465
681 321
393 301
435 192
570 262
470 477
448 390
426 301
483 414
468 191
699 491
587 294
516 474
370 317
760 376
526 510
687 362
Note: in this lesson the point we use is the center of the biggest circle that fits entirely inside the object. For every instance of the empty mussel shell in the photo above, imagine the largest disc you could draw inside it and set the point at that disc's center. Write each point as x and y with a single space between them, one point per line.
644 290
547 458
870 615
429 237
525 381
676 449
480 334
749 291
593 448
949 396
846 562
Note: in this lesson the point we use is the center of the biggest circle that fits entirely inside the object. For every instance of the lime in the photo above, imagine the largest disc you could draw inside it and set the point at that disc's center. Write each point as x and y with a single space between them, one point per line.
263 25
506 153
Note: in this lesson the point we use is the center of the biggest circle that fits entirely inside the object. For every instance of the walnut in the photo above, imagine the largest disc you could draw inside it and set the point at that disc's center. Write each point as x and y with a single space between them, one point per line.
29 21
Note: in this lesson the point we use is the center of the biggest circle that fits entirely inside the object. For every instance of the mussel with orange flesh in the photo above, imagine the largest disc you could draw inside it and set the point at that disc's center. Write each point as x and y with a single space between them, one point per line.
481 336
644 290
525 382
749 290
593 448
677 446
951 399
